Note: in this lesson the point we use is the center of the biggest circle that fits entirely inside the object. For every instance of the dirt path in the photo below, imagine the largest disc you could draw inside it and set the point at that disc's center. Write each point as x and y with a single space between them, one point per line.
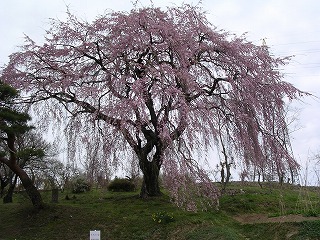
263 218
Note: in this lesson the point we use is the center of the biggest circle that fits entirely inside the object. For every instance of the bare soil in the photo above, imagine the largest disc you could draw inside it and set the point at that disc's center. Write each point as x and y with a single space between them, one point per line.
263 218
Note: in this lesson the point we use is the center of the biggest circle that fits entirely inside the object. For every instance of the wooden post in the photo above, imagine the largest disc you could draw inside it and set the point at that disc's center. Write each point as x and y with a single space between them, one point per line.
55 195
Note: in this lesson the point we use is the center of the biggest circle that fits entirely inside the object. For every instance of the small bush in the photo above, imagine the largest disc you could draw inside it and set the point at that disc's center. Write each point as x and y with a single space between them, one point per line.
80 185
162 217
121 185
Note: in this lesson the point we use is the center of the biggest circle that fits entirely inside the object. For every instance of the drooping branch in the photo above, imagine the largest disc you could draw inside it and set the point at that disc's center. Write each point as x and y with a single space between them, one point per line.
155 78
89 109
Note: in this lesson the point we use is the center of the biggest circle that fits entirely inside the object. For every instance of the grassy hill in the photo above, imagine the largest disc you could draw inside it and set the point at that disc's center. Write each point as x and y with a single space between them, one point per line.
246 212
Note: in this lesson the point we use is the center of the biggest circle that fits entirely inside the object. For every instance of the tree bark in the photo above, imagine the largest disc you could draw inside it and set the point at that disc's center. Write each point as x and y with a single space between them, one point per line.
27 183
3 184
31 190
150 184
8 197
292 175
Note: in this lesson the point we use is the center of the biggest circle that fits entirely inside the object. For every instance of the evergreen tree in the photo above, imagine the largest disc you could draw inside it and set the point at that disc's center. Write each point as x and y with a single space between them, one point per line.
12 124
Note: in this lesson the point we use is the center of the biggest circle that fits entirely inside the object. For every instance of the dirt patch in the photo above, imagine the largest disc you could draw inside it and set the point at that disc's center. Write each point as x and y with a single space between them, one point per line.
263 218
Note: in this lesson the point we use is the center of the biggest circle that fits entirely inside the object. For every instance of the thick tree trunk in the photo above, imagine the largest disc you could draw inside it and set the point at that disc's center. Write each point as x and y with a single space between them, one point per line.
150 185
31 190
27 183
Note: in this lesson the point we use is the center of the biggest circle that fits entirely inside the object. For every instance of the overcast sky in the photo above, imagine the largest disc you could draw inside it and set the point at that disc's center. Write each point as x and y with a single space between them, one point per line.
289 27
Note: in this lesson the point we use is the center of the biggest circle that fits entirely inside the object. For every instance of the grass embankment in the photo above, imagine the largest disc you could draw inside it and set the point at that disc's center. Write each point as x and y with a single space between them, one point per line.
125 216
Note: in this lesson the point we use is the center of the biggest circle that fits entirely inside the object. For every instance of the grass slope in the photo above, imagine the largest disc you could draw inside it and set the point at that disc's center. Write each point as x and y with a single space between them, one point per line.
125 216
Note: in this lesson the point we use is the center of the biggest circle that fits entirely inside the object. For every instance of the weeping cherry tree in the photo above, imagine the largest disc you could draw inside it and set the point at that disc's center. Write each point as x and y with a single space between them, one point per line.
162 85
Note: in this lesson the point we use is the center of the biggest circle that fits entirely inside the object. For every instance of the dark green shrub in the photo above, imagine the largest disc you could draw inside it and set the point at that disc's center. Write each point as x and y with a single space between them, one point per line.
121 185
80 185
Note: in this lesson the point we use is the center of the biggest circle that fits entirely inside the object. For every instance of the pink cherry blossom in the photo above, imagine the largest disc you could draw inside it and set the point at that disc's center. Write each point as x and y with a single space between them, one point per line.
161 85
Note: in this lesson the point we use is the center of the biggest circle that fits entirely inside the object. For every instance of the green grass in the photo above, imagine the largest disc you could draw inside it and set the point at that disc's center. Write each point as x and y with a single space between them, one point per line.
272 199
125 216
